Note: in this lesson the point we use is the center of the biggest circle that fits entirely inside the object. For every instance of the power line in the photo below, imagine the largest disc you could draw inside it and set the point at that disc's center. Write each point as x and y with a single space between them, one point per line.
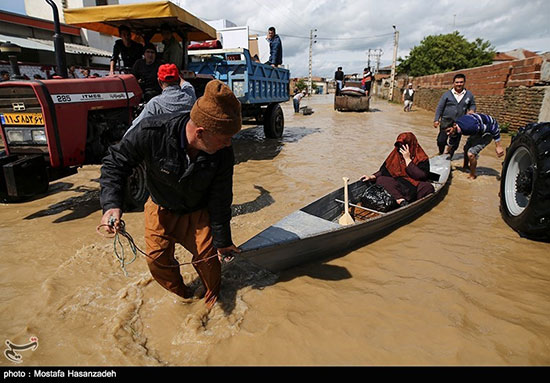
290 24
353 38
291 16
330 38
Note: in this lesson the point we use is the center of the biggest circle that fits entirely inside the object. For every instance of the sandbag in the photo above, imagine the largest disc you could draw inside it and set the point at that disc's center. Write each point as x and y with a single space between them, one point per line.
352 91
377 198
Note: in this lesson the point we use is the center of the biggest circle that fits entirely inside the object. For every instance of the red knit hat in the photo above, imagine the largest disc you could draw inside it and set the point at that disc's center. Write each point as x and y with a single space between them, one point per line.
218 109
168 73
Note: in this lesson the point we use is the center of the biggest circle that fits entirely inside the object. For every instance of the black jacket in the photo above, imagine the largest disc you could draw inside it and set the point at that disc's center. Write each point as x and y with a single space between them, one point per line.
275 51
129 54
147 75
174 183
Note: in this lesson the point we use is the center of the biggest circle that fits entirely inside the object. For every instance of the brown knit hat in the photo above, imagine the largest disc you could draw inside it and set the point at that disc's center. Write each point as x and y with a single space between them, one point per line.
218 109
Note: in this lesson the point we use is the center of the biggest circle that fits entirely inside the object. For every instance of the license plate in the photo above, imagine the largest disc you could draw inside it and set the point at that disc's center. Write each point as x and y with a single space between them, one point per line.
22 119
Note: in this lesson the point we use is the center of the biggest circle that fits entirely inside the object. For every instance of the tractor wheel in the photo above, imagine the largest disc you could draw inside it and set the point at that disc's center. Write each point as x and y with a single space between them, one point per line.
135 192
274 121
525 182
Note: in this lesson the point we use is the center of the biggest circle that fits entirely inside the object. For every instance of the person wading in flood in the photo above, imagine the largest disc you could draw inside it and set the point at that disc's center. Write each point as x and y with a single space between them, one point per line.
189 172
481 129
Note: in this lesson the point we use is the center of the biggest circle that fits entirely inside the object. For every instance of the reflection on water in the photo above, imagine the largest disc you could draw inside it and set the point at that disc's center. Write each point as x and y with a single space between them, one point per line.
263 200
79 206
251 144
455 286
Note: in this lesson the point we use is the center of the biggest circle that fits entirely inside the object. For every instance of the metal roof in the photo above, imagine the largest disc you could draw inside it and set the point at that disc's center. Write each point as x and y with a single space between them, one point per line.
47 45
143 17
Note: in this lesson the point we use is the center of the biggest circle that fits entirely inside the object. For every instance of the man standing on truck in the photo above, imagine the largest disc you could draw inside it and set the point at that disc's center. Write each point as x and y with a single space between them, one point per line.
177 95
366 80
275 48
127 48
339 78
189 172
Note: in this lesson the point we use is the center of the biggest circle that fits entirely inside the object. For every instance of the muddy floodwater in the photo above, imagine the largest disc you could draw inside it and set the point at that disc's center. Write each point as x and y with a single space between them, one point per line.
456 286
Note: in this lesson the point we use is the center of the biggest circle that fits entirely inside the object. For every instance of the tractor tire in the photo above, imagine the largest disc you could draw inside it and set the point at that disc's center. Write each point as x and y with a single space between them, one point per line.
135 191
525 182
274 121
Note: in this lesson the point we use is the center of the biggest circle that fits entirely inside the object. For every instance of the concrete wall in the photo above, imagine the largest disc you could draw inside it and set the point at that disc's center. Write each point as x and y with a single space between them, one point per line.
514 92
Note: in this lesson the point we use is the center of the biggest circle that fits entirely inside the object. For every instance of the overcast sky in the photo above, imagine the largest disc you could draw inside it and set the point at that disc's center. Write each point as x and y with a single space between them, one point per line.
347 29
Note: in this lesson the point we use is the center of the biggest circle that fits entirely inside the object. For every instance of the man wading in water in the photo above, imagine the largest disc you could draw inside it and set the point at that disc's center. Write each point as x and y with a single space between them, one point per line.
189 170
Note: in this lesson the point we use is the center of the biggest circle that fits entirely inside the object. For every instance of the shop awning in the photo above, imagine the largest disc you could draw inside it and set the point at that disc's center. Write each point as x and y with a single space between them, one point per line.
143 18
47 45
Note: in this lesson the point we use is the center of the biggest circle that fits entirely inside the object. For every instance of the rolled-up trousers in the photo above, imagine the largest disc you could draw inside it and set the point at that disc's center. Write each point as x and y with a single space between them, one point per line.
296 104
163 229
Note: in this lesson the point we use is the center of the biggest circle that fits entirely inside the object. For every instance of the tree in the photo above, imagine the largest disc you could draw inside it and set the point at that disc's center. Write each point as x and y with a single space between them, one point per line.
301 85
446 53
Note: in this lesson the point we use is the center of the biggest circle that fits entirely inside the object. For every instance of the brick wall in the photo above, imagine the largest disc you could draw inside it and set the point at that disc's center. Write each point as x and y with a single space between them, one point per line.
512 91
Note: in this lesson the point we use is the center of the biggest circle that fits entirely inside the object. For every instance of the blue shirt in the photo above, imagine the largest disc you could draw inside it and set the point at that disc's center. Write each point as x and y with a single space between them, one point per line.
477 123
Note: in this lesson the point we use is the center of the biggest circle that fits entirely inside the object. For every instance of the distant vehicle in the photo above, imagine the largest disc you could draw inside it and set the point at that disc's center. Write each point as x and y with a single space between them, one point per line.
352 98
259 87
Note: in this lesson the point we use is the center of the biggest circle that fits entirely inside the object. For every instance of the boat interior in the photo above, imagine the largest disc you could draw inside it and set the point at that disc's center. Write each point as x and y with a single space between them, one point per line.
331 206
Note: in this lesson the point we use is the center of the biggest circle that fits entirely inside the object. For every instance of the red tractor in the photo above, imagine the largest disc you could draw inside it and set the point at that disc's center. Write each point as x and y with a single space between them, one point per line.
52 127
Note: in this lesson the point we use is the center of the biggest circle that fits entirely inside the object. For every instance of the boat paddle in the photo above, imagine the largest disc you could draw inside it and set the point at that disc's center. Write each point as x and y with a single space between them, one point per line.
346 219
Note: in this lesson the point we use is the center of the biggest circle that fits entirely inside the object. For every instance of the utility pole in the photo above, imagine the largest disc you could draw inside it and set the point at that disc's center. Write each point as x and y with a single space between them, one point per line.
311 42
368 58
378 55
395 43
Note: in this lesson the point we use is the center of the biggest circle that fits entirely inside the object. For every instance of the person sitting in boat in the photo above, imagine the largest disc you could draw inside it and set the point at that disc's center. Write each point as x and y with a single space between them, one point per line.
404 174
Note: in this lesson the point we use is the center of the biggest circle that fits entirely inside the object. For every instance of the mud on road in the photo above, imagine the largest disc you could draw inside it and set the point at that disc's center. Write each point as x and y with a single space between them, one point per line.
456 286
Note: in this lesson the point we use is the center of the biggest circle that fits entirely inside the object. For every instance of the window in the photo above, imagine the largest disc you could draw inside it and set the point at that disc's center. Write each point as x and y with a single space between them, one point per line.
100 2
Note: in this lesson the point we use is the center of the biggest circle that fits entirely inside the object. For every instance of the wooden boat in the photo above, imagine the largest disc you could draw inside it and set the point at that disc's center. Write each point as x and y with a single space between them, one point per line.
313 232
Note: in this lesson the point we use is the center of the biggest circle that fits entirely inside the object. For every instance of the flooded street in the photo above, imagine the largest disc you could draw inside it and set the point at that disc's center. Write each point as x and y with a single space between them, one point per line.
456 286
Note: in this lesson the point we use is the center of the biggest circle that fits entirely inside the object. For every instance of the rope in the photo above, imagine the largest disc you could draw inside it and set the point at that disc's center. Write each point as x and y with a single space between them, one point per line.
120 256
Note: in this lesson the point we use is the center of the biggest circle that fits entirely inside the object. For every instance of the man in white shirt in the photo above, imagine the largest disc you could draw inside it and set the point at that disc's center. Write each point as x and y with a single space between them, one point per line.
408 96
296 100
